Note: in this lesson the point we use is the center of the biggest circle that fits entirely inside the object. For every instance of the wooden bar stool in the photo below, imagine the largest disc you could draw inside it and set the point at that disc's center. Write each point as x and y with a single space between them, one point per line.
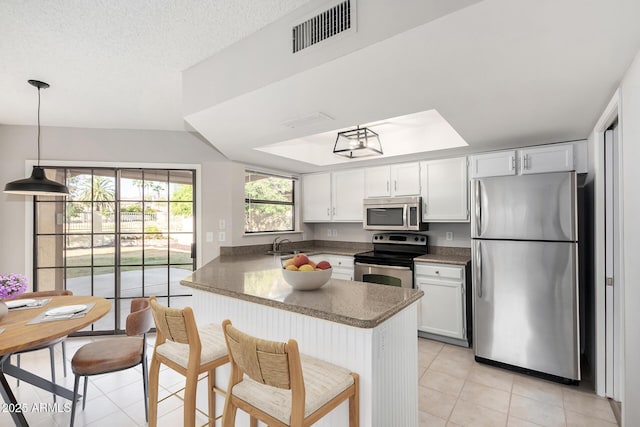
189 351
274 383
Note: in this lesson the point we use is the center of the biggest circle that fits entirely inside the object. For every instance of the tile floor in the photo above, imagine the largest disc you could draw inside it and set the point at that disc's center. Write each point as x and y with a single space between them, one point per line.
454 391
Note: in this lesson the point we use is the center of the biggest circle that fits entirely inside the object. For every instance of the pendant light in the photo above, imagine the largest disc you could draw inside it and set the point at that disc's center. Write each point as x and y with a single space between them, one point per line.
359 142
37 184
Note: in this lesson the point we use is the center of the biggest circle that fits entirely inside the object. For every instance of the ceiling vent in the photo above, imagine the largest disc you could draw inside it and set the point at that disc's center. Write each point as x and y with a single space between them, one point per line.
322 26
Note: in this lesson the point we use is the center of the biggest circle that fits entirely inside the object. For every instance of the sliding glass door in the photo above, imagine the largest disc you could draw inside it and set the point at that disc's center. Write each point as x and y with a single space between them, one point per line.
121 234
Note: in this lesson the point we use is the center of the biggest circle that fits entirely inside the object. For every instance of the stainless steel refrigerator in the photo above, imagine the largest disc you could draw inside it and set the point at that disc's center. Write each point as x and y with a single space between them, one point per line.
525 272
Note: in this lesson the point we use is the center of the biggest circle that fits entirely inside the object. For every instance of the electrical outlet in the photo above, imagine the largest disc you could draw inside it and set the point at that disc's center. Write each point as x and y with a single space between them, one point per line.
222 236
449 235
334 233
328 232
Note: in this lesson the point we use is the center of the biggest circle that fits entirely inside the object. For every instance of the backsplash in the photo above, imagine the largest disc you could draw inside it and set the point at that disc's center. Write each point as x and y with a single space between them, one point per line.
304 245
450 251
318 245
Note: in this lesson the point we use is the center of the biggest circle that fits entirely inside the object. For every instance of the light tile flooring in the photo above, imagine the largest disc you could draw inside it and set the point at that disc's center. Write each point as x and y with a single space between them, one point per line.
454 390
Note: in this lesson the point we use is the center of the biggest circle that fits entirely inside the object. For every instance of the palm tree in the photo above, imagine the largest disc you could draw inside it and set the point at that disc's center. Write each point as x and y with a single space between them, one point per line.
101 192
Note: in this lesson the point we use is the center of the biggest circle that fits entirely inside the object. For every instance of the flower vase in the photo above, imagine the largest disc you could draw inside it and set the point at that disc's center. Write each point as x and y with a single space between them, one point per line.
3 310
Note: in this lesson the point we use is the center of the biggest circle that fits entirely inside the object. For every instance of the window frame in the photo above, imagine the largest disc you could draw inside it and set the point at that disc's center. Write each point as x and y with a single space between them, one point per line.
292 203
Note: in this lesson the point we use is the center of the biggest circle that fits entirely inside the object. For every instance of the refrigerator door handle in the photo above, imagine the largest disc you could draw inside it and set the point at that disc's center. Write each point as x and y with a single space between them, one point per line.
478 267
478 208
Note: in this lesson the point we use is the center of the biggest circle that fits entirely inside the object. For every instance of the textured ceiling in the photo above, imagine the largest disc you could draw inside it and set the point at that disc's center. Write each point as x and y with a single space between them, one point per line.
115 63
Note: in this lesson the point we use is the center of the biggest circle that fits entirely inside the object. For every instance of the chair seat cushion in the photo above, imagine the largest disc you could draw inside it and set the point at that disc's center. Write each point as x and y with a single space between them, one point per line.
322 382
213 347
107 355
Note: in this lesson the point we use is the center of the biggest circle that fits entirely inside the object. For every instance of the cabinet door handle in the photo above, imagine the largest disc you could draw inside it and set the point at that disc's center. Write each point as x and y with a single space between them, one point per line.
387 186
395 185
513 163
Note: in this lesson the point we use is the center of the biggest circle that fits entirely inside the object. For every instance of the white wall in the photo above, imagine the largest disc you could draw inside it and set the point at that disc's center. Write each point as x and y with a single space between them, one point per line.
630 140
18 144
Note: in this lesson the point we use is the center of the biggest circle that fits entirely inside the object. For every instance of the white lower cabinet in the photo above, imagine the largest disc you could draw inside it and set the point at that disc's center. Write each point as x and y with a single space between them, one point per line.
442 309
342 265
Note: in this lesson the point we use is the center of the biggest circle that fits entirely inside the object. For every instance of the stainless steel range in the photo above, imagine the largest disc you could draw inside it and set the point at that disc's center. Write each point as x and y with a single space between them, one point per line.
391 261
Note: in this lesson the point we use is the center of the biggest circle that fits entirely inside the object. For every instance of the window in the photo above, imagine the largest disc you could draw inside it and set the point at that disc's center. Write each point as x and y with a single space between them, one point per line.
121 234
269 202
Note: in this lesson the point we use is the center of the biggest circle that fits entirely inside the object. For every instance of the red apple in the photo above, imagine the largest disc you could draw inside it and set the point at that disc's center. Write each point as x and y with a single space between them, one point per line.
323 265
300 259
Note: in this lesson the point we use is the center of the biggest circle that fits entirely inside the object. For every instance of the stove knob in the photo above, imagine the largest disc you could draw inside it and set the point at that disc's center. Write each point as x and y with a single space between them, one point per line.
415 238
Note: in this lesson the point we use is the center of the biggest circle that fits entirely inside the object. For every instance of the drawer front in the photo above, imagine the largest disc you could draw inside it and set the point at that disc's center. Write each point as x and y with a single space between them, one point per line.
336 261
439 270
341 261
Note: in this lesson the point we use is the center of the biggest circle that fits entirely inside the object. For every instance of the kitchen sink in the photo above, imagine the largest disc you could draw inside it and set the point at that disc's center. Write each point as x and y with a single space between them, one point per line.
282 252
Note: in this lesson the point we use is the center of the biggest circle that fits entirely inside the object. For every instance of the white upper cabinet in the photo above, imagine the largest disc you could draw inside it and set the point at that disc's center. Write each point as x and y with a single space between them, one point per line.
335 196
377 181
316 197
347 194
550 158
444 186
546 158
395 180
499 163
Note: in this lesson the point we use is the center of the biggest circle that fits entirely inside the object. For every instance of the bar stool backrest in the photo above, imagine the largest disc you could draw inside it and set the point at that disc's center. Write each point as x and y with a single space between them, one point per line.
266 362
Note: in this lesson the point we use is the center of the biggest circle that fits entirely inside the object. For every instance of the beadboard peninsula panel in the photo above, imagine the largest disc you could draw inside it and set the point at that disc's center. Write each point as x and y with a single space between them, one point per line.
385 357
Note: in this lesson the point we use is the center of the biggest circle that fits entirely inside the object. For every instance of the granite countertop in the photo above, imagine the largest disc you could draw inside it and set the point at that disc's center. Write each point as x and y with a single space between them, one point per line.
258 279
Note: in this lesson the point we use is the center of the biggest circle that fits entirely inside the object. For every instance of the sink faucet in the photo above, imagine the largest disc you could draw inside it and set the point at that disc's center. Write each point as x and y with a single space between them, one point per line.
278 243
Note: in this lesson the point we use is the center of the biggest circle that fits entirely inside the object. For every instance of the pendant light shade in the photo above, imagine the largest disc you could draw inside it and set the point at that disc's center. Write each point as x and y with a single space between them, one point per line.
359 142
37 184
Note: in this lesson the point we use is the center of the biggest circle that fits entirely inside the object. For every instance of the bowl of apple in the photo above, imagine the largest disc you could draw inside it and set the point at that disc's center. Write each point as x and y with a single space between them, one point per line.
305 275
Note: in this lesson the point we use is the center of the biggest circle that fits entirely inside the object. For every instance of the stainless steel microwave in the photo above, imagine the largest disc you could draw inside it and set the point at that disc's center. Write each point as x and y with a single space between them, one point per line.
394 214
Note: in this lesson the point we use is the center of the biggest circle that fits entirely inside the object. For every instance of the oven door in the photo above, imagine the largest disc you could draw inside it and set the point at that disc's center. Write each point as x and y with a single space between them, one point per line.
384 274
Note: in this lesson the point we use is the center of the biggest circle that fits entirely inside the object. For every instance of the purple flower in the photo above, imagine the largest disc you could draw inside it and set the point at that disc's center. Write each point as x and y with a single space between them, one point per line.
12 285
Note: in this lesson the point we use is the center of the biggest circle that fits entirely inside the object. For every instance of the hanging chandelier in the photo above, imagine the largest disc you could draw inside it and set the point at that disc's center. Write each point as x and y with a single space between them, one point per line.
37 184
359 142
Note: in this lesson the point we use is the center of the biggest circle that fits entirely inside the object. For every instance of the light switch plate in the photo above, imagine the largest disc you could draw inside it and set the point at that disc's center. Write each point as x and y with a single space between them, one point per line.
449 235
222 236
209 236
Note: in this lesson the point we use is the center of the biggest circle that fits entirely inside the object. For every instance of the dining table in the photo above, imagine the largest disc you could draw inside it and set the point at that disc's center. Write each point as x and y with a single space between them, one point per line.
35 324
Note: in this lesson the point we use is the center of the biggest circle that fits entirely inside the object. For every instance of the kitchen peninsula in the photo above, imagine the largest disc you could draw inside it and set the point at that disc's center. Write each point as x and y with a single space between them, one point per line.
368 328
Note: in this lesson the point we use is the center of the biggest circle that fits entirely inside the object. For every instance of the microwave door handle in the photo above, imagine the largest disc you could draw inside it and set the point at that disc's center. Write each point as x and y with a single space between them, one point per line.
405 215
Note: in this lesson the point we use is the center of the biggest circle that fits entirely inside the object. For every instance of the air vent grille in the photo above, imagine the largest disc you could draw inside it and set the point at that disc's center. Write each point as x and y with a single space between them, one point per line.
320 27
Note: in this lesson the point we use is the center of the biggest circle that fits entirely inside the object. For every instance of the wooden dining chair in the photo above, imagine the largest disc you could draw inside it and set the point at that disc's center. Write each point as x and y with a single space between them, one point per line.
50 344
189 351
115 354
275 384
